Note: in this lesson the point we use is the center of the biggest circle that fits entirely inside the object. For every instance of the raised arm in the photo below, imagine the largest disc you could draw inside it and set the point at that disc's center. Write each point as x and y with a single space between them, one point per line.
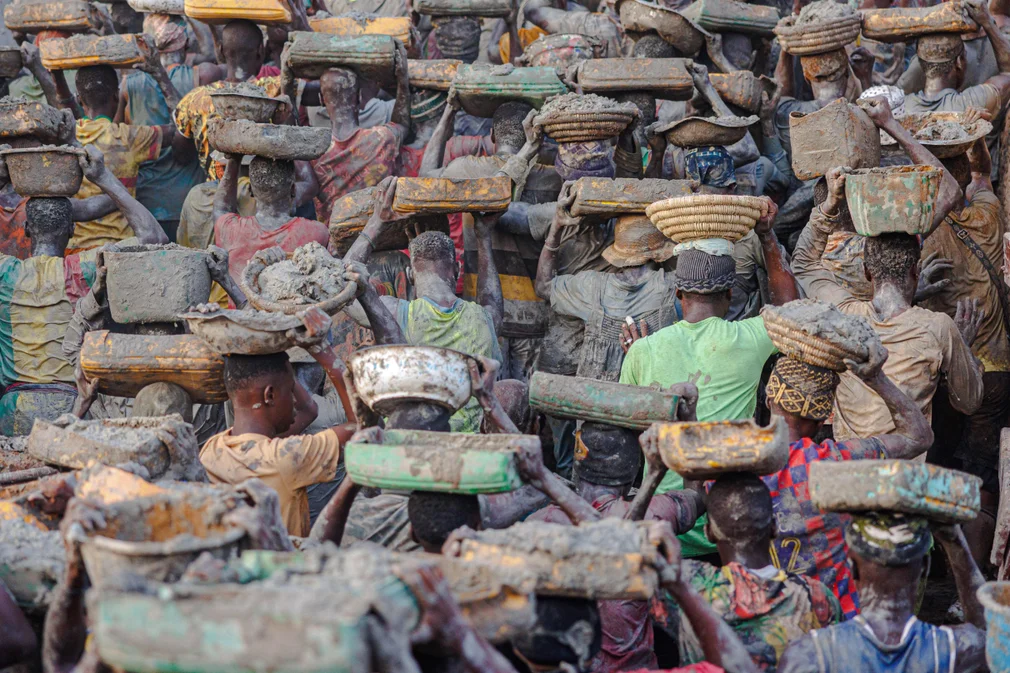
316 338
782 285
746 149
949 194
401 108
980 12
337 510
547 265
385 329
912 433
434 151
218 265
152 66
489 292
226 197
17 639
969 637
140 219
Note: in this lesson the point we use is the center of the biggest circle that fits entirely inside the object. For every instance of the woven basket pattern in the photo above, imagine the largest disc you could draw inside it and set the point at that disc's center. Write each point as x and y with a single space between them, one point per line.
795 343
689 218
817 38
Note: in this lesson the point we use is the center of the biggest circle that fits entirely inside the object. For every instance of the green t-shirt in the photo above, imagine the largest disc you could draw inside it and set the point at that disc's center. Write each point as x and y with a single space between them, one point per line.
724 359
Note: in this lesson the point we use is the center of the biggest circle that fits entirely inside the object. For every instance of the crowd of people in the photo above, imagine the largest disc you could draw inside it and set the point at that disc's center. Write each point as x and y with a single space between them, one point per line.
750 574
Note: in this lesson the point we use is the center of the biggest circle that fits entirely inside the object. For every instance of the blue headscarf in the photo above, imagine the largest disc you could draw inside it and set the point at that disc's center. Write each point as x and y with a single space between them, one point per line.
712 166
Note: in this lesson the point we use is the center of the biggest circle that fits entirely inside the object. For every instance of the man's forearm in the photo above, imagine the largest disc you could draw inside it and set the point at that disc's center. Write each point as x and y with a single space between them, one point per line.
226 197
140 219
384 327
337 510
65 630
334 369
967 577
434 151
361 249
168 89
235 292
577 509
501 510
909 421
781 283
640 505
489 292
1000 45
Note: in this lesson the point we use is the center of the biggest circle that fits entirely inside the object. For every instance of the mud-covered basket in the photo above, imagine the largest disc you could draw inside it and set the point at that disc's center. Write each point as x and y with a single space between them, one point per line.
707 449
690 218
819 334
47 171
640 16
237 103
242 332
415 460
903 24
250 283
707 131
560 50
893 199
613 196
906 486
386 376
941 149
274 141
157 537
434 75
818 37
431 196
575 118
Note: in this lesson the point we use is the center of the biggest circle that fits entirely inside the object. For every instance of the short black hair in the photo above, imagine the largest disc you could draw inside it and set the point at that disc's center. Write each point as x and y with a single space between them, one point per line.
934 70
507 123
555 616
97 84
270 177
242 31
653 46
644 101
613 456
419 416
240 370
433 516
889 257
49 216
740 507
433 246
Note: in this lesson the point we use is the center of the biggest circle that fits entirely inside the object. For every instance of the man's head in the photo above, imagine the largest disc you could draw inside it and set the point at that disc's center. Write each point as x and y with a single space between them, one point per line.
942 58
606 455
507 126
433 252
263 386
705 279
272 181
653 46
646 104
827 73
162 399
801 393
567 631
433 516
49 222
740 514
419 416
243 49
457 37
888 552
339 90
98 89
892 259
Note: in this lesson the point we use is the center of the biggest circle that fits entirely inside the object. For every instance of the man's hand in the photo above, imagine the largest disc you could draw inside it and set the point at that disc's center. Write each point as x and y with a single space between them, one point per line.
531 465
217 262
930 283
769 105
98 287
869 370
31 58
357 273
92 163
54 493
179 438
978 10
454 102
66 134
483 374
314 336
630 333
835 179
87 391
454 543
660 535
562 214
769 211
534 131
968 319
687 407
484 224
442 620
879 110
152 58
649 441
382 201
699 74
81 519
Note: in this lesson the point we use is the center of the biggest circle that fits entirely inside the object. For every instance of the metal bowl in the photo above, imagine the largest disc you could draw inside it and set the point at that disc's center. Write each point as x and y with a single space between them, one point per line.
232 106
388 375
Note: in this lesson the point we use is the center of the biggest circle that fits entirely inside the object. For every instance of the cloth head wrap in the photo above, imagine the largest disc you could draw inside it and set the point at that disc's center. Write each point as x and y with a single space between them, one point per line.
701 273
593 159
895 97
426 105
712 166
802 390
168 35
888 538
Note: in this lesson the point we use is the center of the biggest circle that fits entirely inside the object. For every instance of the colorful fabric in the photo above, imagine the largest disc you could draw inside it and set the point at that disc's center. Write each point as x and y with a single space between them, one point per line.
888 538
711 166
527 36
802 389
593 159
703 667
168 32
853 646
242 237
125 148
197 108
23 404
287 465
13 240
465 327
409 163
811 542
163 184
37 298
767 613
360 161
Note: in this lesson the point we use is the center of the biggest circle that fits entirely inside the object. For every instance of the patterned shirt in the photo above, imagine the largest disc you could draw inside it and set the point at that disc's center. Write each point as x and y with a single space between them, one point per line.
767 613
125 148
360 161
242 237
809 541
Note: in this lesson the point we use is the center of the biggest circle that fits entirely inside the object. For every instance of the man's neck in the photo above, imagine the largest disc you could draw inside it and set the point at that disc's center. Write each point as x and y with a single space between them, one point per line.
343 121
271 216
935 85
753 557
238 74
430 286
886 610
47 249
248 422
97 113
890 301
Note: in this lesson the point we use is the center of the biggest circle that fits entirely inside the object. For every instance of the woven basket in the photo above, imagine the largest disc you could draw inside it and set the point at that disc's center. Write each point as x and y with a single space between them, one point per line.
795 340
567 127
689 218
816 38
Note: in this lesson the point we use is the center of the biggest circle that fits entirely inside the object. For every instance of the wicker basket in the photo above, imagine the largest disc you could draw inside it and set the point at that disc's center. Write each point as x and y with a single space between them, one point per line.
808 342
690 218
816 38
569 127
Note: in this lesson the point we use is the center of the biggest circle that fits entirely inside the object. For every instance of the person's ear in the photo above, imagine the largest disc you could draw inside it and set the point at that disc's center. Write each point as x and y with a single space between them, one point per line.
269 396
